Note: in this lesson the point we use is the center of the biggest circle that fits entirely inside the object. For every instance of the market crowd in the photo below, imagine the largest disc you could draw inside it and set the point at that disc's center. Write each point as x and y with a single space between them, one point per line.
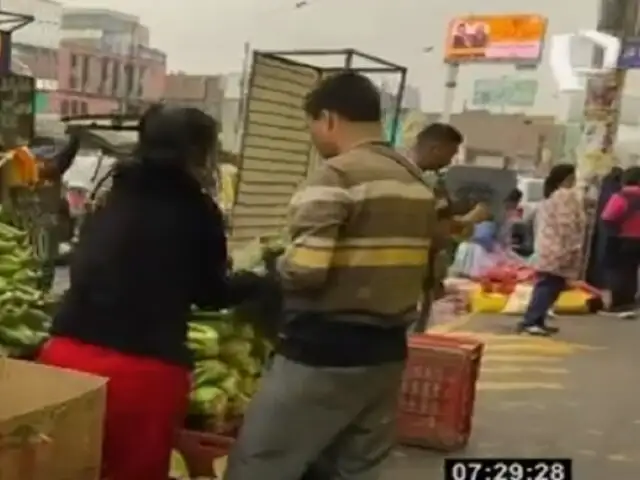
367 240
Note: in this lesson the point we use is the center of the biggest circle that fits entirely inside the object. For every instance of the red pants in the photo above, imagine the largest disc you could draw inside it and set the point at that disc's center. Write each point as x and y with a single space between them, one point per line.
146 404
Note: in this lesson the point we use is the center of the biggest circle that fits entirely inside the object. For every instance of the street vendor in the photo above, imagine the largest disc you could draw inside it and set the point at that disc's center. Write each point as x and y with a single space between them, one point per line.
361 230
155 247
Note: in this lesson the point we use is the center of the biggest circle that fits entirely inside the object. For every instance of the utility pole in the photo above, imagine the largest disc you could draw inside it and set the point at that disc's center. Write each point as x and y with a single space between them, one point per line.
601 112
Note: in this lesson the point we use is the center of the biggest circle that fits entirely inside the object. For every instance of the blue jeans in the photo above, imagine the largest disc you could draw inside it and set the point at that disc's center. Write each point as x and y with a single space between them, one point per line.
546 291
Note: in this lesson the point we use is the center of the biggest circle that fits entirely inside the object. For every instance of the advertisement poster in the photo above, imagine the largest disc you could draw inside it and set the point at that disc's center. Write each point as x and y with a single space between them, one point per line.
504 92
517 38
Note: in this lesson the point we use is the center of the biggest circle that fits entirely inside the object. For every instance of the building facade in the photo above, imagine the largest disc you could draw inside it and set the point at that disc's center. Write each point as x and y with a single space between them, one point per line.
200 91
105 63
116 30
95 81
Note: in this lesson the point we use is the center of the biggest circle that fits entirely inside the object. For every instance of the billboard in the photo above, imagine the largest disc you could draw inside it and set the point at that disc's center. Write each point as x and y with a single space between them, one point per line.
516 38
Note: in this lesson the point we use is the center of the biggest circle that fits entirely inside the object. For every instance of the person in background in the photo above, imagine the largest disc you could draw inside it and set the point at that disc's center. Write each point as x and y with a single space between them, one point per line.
512 215
596 269
435 147
155 247
490 243
361 229
621 218
560 225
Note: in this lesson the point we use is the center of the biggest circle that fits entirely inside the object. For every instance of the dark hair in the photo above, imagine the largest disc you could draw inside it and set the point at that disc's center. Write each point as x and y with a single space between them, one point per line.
557 175
348 94
172 136
615 174
514 196
440 132
631 176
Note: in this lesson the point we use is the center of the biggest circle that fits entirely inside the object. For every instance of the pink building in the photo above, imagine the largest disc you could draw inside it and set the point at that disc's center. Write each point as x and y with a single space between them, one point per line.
93 81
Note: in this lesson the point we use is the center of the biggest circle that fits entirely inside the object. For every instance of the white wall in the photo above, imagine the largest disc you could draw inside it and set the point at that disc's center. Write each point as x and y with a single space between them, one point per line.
45 30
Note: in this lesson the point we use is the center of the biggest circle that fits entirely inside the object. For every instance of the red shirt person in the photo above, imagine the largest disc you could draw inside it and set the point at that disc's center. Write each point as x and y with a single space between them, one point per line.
621 216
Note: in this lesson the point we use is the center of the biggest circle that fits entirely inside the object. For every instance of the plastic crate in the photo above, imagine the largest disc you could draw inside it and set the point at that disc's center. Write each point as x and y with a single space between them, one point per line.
200 449
438 391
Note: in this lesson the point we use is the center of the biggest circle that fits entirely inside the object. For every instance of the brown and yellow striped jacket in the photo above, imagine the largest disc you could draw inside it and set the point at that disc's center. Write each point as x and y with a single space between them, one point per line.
361 230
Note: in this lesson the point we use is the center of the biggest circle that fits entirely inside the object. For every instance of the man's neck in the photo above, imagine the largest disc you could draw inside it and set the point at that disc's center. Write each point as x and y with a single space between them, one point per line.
361 135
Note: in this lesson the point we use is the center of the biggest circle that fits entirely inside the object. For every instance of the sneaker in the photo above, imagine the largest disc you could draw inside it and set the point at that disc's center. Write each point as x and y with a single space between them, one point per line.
534 330
622 314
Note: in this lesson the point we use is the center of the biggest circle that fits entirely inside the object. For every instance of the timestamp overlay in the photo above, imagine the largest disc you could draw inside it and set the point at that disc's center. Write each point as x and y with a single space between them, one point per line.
508 469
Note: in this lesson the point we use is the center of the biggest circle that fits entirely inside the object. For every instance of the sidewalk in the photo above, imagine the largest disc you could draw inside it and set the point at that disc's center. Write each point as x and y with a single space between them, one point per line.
574 395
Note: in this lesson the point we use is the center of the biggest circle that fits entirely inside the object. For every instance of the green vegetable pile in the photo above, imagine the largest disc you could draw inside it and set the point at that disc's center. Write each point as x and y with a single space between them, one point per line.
229 359
23 319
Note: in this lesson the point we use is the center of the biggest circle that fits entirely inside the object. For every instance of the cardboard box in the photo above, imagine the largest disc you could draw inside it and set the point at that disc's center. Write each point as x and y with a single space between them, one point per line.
51 422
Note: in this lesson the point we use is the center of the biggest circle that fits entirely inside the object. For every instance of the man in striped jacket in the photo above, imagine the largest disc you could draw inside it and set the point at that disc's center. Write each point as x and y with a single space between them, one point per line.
361 228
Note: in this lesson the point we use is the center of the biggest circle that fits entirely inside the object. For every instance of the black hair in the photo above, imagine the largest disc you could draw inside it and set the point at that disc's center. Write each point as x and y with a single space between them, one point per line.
514 196
557 175
631 176
440 132
172 136
615 174
348 94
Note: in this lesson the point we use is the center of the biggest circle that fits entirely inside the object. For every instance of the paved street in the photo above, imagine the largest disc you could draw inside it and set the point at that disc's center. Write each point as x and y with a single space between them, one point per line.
575 395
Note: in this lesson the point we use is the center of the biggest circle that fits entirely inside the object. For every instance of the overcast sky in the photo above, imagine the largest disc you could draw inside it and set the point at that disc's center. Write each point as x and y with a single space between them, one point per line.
207 36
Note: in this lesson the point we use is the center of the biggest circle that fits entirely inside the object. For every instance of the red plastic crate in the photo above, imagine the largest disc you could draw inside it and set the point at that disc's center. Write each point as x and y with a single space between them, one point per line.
200 449
438 391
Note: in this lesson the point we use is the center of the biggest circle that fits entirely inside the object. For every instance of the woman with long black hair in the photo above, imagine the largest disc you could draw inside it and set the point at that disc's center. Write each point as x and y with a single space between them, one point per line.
155 247
560 228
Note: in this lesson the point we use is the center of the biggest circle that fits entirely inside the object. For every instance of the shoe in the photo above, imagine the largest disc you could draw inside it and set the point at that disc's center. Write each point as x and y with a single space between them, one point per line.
534 330
622 314
551 329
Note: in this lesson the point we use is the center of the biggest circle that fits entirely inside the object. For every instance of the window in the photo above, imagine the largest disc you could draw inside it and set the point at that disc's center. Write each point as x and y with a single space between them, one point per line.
141 78
115 82
84 73
84 108
128 79
75 61
64 108
73 81
104 76
74 107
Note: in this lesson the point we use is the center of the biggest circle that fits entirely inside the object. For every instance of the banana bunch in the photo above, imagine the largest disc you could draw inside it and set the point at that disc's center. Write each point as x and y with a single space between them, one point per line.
229 360
23 319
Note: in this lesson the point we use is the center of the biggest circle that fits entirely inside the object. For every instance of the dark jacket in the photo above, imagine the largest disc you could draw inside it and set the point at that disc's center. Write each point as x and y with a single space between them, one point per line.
156 247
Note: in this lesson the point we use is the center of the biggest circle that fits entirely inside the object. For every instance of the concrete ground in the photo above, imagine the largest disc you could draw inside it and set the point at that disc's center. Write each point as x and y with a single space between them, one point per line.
574 395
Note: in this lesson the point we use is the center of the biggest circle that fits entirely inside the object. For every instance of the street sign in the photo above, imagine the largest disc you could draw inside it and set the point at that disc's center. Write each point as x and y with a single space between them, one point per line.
504 92
630 54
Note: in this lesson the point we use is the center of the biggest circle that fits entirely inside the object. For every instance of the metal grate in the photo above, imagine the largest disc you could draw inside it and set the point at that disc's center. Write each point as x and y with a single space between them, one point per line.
276 148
